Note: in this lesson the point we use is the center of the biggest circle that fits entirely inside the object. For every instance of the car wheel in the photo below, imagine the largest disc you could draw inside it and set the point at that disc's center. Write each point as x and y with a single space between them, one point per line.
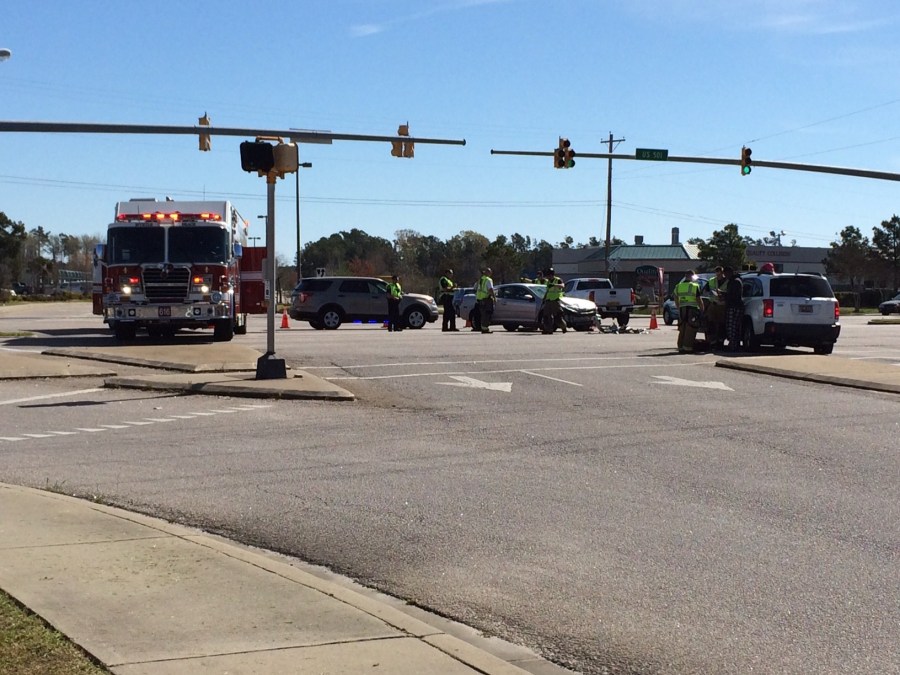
318 325
415 317
751 342
511 327
886 312
331 318
824 349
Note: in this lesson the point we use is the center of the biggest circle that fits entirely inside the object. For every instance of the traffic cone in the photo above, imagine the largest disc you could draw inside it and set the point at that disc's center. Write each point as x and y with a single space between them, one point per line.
653 324
284 320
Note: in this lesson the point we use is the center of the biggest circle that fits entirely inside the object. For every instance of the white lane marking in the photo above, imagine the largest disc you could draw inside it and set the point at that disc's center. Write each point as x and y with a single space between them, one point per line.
46 396
134 423
115 426
464 381
468 362
205 414
91 430
184 417
555 379
667 379
63 433
13 438
224 412
160 419
38 435
508 370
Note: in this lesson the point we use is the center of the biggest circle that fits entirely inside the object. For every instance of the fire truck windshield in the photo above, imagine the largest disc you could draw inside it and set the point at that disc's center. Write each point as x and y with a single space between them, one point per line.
198 245
133 246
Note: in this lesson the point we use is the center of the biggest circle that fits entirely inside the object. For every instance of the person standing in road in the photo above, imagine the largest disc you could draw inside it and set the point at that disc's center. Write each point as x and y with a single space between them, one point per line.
447 287
539 279
484 297
734 309
687 299
395 292
714 293
552 312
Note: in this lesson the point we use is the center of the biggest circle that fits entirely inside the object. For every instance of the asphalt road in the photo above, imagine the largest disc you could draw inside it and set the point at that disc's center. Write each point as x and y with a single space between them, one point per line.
617 506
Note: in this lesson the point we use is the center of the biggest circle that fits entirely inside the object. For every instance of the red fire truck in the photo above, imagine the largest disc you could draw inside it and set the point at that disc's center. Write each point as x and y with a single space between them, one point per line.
168 265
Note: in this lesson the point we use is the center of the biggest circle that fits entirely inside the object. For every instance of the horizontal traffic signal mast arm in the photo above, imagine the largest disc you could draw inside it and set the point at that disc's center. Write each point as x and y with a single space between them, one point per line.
295 135
861 173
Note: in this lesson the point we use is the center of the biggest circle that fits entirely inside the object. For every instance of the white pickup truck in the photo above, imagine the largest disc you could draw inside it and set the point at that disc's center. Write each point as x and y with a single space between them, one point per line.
617 303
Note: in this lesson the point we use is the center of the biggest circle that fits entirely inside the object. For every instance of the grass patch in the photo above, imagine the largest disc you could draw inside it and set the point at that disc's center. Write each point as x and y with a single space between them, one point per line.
29 646
15 333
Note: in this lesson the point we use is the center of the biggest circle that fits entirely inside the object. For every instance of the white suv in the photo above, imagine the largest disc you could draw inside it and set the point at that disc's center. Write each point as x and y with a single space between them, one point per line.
789 310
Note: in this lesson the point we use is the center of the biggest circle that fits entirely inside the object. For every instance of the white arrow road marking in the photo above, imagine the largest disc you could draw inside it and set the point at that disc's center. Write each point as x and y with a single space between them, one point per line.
667 379
464 381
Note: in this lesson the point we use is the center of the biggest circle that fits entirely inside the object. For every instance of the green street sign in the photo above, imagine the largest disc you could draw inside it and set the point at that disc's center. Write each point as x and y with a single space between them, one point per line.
651 154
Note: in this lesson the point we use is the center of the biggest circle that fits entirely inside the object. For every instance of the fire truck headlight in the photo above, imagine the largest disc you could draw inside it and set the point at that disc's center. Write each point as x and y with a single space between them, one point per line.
129 285
216 297
200 283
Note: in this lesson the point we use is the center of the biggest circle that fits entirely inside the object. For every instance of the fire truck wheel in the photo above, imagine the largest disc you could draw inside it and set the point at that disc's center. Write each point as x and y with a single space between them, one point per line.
223 331
125 331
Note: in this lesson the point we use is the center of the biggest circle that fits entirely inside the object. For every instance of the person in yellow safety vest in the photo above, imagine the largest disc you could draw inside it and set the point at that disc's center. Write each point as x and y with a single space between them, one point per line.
687 299
485 297
552 313
448 322
714 296
395 292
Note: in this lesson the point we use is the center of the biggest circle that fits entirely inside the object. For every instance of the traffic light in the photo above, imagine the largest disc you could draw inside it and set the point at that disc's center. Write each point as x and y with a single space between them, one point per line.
745 161
257 156
401 149
569 156
564 155
205 142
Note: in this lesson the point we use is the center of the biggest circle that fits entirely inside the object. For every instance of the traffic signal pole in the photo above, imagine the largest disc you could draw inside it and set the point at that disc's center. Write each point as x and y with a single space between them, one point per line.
267 367
817 168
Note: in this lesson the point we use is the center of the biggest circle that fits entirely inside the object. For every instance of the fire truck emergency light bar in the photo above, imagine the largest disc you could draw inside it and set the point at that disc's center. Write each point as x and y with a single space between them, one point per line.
174 216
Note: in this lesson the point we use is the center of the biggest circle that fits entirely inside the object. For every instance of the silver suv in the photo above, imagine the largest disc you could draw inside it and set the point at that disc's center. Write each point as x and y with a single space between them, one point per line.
327 302
789 310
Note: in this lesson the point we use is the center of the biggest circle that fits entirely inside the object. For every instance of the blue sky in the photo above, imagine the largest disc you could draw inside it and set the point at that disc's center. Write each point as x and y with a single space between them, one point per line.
810 81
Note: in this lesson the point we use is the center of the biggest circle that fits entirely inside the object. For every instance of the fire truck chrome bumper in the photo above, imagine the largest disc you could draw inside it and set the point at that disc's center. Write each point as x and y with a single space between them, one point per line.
194 312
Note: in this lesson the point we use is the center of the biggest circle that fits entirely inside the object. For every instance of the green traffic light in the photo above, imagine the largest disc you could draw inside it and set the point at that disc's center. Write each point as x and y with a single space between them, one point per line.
745 170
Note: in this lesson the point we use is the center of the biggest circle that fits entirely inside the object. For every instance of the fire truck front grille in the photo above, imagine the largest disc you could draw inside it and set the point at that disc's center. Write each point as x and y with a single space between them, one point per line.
166 285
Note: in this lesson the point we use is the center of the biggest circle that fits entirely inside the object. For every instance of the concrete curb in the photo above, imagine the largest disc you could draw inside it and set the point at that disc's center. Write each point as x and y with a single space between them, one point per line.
62 552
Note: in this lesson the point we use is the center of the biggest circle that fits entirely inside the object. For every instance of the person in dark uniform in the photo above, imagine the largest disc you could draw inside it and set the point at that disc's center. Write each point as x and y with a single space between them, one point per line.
447 287
395 292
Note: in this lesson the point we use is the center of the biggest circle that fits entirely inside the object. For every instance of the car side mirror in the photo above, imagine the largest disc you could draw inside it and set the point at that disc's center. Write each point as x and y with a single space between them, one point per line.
529 298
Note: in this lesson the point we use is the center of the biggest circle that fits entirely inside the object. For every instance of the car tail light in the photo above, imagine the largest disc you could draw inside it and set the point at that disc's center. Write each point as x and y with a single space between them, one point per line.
837 310
632 296
305 296
768 308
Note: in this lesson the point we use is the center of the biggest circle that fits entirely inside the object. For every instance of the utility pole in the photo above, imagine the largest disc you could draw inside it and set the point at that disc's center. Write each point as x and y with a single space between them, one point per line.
609 199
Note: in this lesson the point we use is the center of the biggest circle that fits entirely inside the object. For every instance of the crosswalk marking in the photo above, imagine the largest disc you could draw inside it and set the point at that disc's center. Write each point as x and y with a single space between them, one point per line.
126 424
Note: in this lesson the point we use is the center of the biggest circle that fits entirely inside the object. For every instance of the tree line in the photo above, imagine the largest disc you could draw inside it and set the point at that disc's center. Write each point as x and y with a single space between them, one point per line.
36 256
853 260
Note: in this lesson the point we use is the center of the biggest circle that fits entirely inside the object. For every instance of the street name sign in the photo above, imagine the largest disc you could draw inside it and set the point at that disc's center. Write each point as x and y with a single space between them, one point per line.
651 154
